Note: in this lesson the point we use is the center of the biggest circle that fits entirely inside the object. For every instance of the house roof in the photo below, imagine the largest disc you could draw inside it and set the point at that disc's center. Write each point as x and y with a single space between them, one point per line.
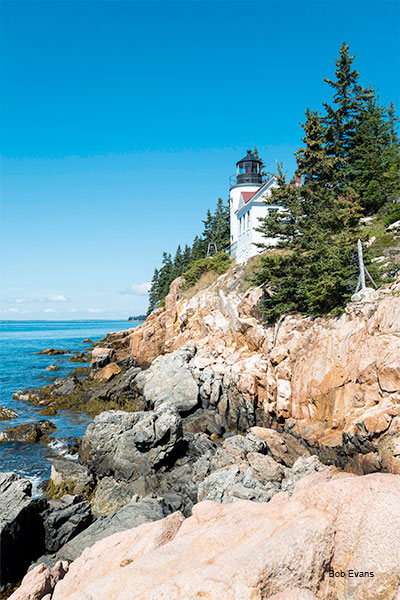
247 195
247 199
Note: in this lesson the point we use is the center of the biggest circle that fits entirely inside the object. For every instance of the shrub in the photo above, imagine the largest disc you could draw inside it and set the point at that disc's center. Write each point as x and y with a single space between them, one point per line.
393 216
219 263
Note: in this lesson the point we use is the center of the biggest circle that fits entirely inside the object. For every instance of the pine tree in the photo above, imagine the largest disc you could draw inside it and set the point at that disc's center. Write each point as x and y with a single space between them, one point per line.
310 270
341 118
221 225
154 292
208 231
186 256
197 249
313 161
166 275
374 158
178 262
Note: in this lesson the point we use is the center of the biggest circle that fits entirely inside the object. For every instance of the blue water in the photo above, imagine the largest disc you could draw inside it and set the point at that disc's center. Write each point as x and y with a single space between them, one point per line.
20 368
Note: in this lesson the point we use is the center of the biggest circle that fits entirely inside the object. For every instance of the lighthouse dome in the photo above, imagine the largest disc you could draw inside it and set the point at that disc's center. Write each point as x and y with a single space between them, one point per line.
248 170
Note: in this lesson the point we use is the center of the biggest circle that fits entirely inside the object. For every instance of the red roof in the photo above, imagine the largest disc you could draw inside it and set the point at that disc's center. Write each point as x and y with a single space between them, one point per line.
247 195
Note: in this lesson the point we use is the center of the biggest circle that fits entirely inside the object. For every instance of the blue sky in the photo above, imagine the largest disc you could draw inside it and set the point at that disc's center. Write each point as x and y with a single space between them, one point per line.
122 122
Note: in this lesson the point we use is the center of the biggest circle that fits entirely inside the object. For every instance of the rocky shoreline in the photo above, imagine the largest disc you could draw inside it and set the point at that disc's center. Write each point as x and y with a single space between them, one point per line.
204 405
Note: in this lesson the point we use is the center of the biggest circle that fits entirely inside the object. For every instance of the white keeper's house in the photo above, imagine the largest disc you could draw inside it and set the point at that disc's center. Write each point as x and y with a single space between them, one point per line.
249 200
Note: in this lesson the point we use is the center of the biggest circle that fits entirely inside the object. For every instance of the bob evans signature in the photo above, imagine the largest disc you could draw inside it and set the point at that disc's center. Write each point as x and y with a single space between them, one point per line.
350 573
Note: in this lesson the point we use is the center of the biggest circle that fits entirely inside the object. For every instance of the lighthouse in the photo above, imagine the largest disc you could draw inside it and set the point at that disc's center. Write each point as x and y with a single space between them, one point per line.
249 196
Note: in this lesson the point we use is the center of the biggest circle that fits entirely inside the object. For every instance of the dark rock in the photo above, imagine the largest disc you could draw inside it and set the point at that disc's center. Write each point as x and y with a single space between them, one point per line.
7 413
87 341
137 512
236 410
305 465
69 477
239 470
53 368
127 363
53 352
130 445
101 357
21 528
121 385
73 444
48 411
203 421
80 357
110 495
200 444
81 371
64 519
389 452
362 464
177 487
28 432
258 479
210 387
67 386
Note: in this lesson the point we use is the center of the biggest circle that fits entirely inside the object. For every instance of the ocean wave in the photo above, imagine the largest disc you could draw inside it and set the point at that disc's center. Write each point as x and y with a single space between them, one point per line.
35 480
61 448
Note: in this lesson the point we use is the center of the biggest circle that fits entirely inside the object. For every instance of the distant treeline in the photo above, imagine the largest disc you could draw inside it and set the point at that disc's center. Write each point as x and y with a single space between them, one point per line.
215 230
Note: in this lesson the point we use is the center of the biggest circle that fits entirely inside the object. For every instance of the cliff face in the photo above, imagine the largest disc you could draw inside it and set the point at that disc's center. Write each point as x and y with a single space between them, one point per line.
334 382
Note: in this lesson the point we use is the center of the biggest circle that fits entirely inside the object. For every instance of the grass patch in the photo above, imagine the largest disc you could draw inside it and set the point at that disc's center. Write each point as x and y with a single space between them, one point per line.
206 279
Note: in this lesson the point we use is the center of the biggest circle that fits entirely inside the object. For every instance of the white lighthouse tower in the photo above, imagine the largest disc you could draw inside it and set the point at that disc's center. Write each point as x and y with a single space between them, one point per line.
249 195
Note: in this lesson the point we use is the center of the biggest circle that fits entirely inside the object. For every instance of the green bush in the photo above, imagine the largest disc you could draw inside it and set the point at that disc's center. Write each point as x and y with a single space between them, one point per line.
393 216
219 263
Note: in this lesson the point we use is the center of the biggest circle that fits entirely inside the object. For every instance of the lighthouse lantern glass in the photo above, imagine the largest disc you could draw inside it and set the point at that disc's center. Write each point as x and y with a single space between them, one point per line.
247 167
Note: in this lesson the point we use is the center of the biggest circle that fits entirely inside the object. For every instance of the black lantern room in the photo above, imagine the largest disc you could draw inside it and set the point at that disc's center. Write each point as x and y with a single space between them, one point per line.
248 170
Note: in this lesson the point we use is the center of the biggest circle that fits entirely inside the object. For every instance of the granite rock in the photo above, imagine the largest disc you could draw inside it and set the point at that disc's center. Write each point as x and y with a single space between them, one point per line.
130 445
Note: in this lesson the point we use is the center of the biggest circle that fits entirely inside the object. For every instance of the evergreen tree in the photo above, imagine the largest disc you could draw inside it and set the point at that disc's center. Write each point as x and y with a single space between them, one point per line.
221 225
186 256
216 229
341 118
197 249
313 161
208 231
178 262
373 162
166 275
310 270
154 292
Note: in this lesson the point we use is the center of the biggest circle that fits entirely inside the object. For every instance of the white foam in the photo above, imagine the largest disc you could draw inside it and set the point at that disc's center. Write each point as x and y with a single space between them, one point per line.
35 480
61 448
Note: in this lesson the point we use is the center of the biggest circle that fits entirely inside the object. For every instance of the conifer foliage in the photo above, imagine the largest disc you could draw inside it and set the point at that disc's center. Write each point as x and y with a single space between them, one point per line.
215 230
350 168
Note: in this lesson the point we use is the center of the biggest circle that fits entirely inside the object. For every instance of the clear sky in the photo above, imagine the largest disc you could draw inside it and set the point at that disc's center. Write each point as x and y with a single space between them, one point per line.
122 122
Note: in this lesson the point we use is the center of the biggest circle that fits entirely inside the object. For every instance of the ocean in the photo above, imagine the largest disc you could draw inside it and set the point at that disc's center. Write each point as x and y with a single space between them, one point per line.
21 367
